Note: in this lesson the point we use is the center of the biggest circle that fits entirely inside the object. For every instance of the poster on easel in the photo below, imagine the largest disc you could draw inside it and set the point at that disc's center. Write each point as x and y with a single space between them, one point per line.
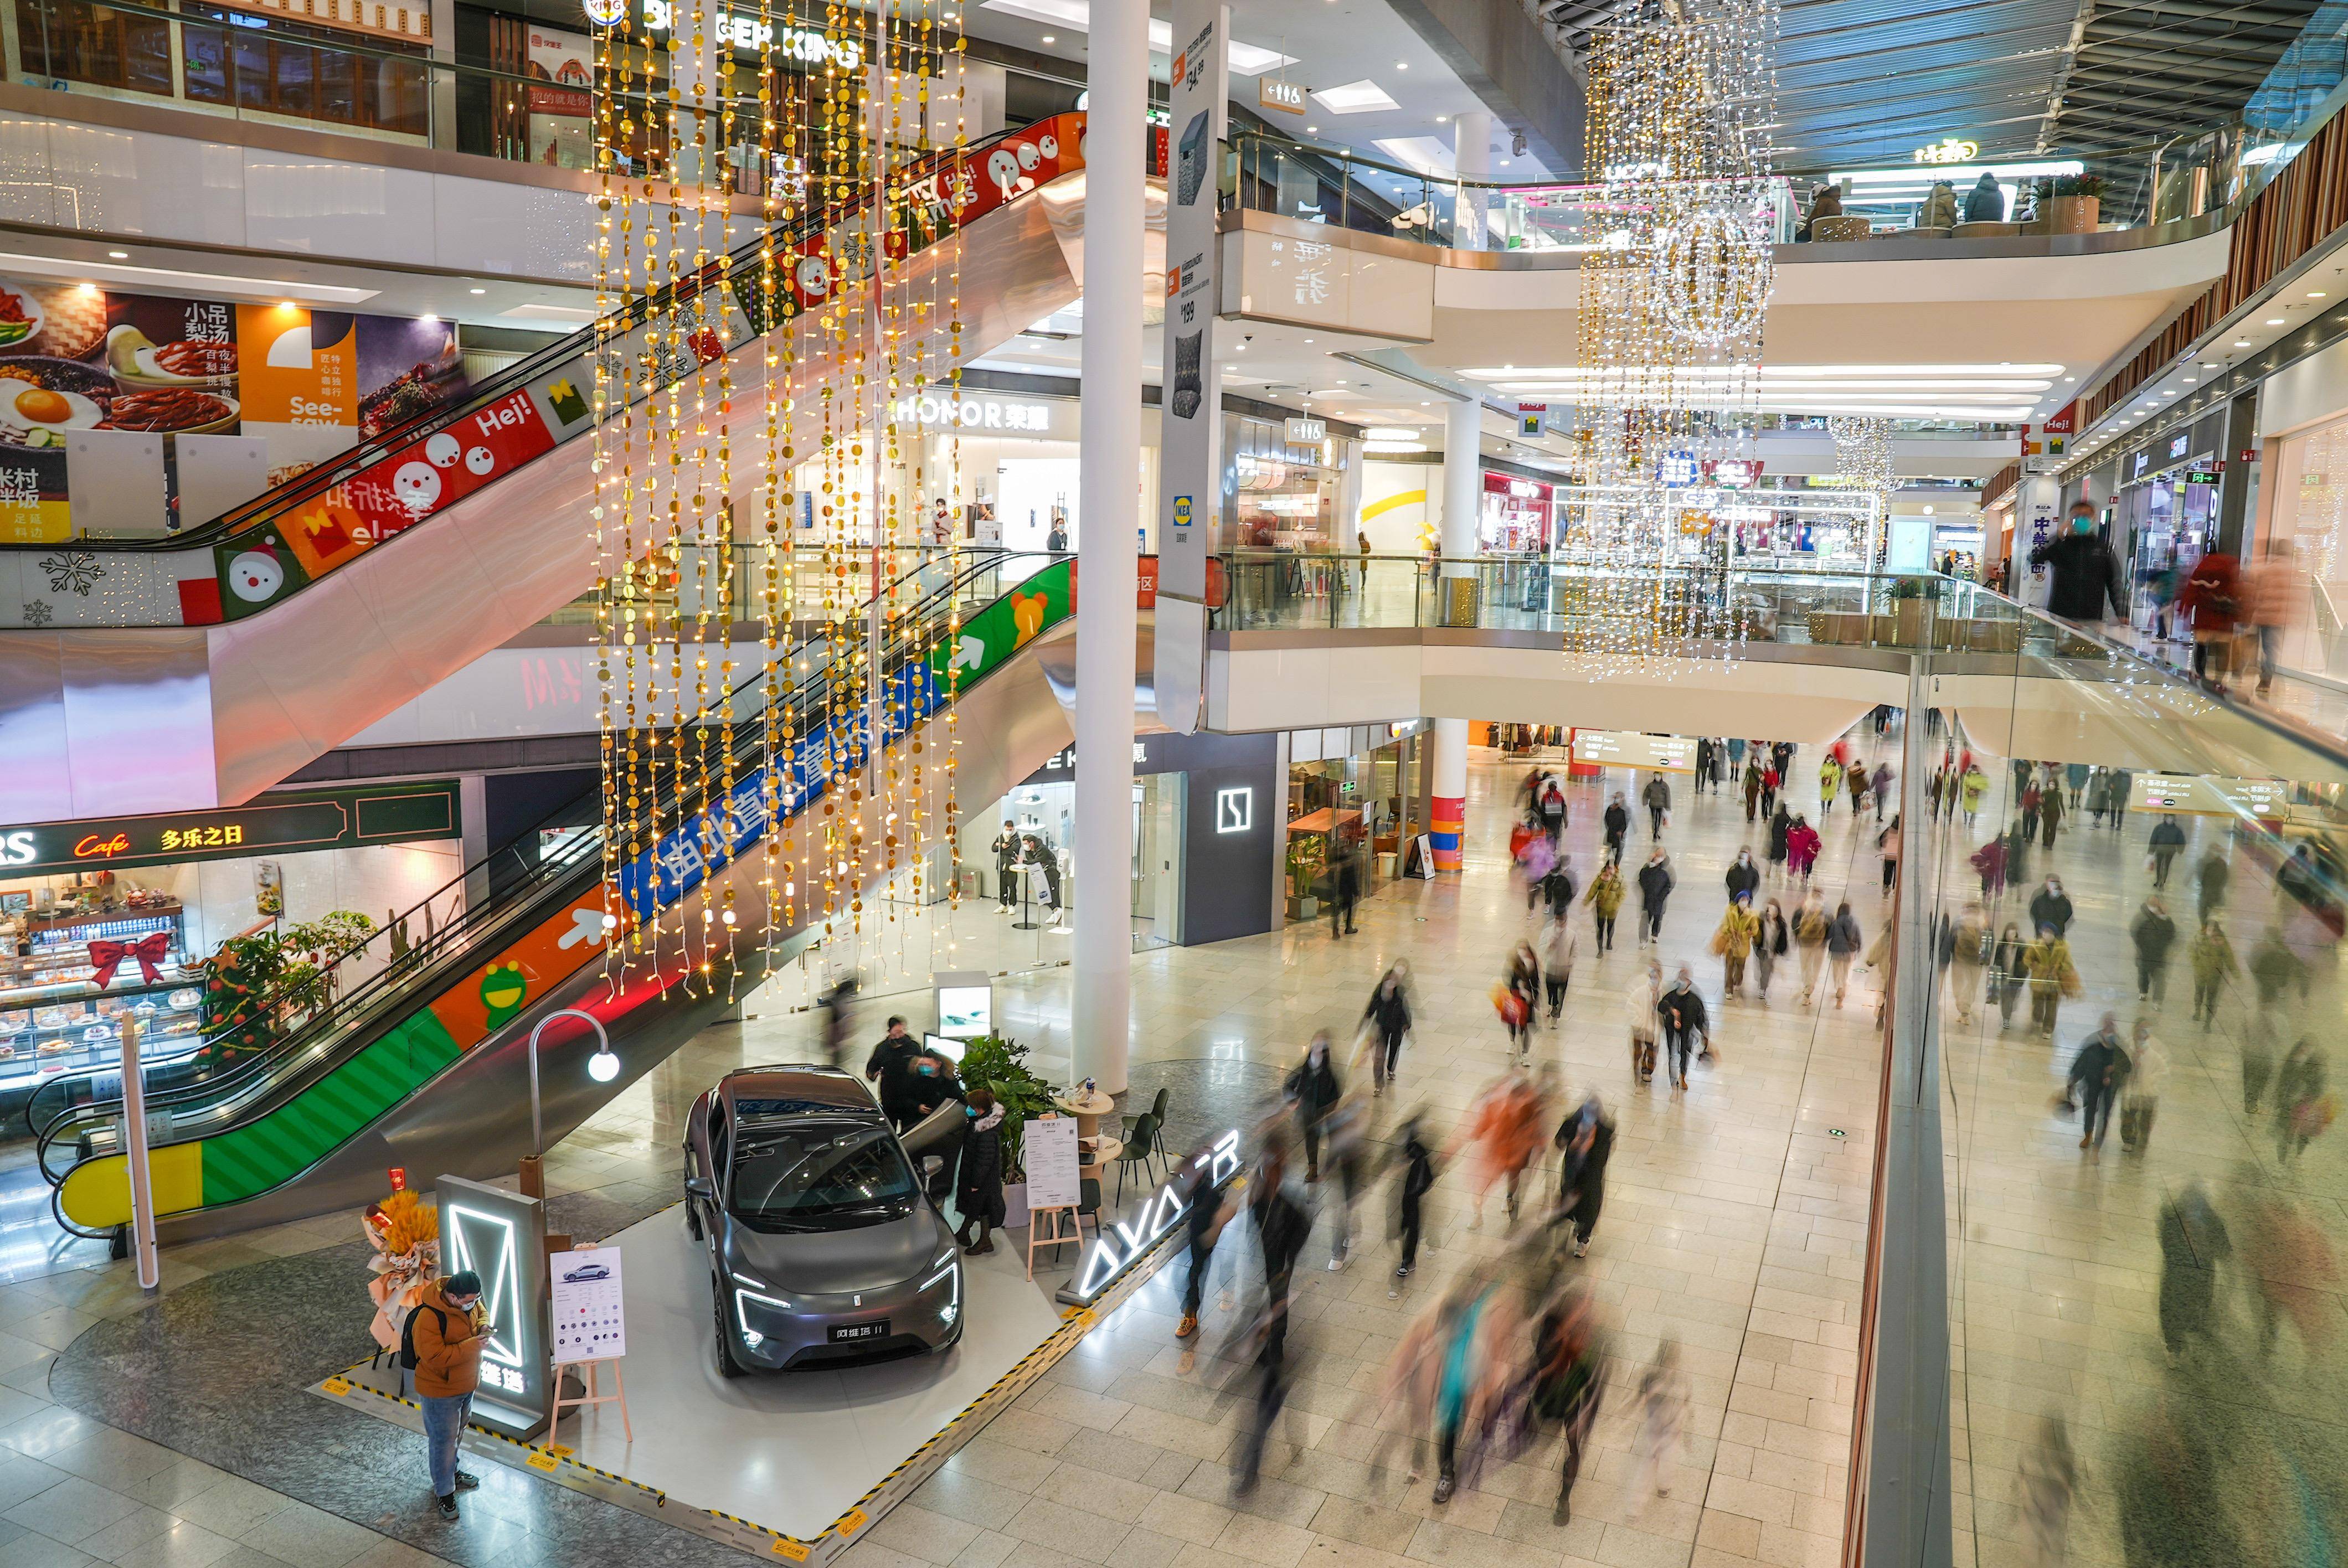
590 1318
1418 858
1050 1156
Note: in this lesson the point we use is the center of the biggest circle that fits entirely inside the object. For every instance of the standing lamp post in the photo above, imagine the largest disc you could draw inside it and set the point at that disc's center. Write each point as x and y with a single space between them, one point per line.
602 1067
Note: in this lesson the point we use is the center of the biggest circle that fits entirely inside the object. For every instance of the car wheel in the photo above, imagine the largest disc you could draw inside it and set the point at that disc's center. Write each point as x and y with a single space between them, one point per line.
692 1219
727 1366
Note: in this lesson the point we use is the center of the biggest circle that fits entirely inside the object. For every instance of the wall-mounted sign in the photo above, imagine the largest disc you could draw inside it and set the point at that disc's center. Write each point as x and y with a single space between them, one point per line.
2201 475
965 1000
1126 1242
2179 445
326 819
1286 97
502 1236
1631 749
1306 432
2192 794
2064 421
1235 810
1948 149
2138 464
1531 416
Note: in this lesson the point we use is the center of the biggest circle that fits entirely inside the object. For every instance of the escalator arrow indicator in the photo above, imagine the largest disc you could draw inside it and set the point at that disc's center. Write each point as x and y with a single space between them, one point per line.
969 653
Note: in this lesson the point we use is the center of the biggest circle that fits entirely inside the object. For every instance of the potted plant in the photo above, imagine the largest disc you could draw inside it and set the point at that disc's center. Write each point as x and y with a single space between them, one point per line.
2068 203
1001 1064
1907 612
1308 854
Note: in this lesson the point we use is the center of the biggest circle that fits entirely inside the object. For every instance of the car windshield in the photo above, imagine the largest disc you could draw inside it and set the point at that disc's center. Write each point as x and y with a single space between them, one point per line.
826 1175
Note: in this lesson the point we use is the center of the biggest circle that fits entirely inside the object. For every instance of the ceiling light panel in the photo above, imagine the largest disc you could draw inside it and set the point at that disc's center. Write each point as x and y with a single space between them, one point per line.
1364 96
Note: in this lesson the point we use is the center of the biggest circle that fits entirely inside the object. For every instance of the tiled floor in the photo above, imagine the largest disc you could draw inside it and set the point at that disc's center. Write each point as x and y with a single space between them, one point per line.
1733 1224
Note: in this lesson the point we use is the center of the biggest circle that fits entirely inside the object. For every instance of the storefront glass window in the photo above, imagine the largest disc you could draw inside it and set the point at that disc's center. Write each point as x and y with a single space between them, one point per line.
1286 493
94 44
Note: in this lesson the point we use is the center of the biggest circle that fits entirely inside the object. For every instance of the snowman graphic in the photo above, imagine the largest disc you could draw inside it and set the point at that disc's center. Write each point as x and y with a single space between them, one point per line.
1002 169
256 575
416 486
480 460
441 450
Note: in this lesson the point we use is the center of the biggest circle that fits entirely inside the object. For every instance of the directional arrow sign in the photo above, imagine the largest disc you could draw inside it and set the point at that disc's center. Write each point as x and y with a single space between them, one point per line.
969 654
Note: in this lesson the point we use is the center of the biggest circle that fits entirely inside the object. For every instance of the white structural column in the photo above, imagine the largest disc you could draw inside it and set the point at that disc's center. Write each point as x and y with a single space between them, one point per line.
1471 156
1463 482
1107 494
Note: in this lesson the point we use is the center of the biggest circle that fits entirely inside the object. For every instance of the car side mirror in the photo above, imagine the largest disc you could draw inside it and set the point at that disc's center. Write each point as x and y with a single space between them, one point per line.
699 1187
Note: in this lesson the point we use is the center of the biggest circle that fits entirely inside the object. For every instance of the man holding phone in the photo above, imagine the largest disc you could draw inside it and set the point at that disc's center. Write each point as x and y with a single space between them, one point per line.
441 1344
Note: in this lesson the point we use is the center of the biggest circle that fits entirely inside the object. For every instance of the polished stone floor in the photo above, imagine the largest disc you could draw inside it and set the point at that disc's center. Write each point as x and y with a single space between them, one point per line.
1734 1225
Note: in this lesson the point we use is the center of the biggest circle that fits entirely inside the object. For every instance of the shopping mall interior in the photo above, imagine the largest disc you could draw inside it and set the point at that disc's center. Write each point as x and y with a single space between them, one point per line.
1450 1017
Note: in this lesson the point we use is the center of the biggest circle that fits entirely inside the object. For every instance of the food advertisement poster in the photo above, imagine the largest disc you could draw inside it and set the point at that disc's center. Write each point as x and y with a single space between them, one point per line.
76 357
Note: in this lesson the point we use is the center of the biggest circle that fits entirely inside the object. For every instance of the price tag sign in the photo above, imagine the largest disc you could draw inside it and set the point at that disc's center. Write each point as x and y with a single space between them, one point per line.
1050 1156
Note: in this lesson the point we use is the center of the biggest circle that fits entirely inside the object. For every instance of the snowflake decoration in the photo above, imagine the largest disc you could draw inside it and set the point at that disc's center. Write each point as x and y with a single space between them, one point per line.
72 569
37 612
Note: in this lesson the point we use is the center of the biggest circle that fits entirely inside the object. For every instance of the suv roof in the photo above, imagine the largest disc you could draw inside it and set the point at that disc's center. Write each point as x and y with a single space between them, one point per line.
770 1093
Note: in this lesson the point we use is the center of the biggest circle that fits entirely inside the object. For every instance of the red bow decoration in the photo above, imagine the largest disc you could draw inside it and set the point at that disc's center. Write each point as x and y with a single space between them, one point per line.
150 952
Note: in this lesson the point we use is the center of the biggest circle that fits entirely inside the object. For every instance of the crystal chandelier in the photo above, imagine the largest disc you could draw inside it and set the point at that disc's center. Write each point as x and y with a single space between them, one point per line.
1863 443
1674 297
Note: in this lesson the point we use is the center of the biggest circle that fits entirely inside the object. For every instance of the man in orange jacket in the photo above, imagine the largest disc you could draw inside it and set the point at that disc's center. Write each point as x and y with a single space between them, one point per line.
444 1336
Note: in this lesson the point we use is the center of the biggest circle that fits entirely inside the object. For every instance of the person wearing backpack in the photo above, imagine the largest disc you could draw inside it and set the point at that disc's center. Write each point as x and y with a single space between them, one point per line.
441 1344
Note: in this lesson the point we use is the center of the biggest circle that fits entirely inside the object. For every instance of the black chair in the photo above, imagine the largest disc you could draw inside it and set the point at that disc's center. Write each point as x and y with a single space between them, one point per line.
1138 1138
1156 1142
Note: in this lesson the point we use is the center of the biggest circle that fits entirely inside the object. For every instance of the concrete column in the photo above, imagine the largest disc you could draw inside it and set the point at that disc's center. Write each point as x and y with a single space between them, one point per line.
1471 156
1463 483
1109 501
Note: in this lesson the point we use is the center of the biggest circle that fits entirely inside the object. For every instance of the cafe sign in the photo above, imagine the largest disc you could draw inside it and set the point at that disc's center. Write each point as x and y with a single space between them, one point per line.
274 824
1948 149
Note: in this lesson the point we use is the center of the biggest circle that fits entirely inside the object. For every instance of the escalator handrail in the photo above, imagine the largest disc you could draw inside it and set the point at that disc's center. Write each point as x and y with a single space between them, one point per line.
260 1075
504 382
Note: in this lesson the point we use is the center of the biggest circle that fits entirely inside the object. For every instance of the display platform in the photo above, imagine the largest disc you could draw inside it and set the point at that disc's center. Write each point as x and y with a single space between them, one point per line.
794 1456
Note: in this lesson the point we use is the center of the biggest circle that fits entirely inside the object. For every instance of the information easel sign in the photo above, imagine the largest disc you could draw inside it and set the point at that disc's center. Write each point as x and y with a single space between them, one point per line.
590 1321
1051 1159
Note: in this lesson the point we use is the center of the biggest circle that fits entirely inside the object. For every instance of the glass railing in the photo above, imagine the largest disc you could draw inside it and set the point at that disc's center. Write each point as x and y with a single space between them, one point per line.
2176 177
277 68
380 979
2133 894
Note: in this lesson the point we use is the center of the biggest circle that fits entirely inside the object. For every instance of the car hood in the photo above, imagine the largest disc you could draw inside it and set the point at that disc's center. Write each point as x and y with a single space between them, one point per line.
838 1263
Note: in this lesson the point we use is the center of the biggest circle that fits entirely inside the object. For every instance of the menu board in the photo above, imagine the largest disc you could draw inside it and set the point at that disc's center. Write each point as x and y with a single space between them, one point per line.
1050 1155
590 1321
1633 749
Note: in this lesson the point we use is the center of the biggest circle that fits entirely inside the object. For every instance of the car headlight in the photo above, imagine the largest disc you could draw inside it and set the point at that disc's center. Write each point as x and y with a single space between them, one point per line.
743 1301
951 1277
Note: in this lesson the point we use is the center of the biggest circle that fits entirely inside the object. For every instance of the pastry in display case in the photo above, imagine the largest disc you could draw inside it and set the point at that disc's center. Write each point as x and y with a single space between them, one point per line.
74 963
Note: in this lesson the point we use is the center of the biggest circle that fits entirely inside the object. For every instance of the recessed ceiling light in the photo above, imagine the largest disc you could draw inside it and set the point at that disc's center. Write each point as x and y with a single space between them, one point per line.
1313 130
480 291
1402 65
1354 98
1243 348
2070 378
287 305
2274 321
1308 340
1050 38
1443 119
120 255
2315 293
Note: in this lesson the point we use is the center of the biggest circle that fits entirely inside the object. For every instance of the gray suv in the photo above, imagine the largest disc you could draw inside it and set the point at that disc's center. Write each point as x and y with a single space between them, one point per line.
823 1245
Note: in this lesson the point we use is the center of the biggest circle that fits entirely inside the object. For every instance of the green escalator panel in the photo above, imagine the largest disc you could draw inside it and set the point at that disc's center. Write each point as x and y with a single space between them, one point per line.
257 1156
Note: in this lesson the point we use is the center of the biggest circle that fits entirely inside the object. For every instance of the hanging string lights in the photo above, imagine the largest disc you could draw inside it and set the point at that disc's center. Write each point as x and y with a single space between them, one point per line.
1675 299
1863 443
832 128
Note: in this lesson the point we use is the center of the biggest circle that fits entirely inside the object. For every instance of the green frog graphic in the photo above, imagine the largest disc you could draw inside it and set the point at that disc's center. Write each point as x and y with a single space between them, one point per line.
502 993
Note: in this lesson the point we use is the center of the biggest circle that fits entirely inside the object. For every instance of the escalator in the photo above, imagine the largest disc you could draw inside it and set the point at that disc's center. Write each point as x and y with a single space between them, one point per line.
195 672
425 1065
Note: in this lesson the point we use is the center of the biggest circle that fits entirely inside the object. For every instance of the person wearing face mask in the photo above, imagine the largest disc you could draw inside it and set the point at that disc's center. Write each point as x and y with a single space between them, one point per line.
1685 1022
978 1185
2050 906
1658 799
2085 576
1769 945
1389 1014
1801 848
1743 877
1843 943
1606 901
1314 1090
1810 925
1781 825
2052 978
2096 1074
2153 932
1618 827
1641 999
2008 974
1655 885
890 1067
1739 929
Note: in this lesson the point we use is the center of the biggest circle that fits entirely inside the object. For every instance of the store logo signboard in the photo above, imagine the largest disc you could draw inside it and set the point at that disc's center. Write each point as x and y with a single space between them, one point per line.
1948 149
1126 1242
1235 809
2138 464
2178 446
336 819
803 44
502 1236
968 413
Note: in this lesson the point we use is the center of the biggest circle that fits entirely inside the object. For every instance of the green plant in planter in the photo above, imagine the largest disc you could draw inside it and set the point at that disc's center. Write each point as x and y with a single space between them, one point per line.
1308 854
1001 1064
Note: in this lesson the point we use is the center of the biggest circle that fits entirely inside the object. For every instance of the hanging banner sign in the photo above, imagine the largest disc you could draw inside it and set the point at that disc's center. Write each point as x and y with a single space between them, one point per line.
1190 484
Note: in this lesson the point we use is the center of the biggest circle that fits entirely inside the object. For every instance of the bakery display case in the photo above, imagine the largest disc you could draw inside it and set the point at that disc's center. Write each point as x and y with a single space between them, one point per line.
70 971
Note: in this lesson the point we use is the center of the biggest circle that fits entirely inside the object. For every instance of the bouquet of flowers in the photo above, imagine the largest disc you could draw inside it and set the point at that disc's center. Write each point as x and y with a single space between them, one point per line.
404 1232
